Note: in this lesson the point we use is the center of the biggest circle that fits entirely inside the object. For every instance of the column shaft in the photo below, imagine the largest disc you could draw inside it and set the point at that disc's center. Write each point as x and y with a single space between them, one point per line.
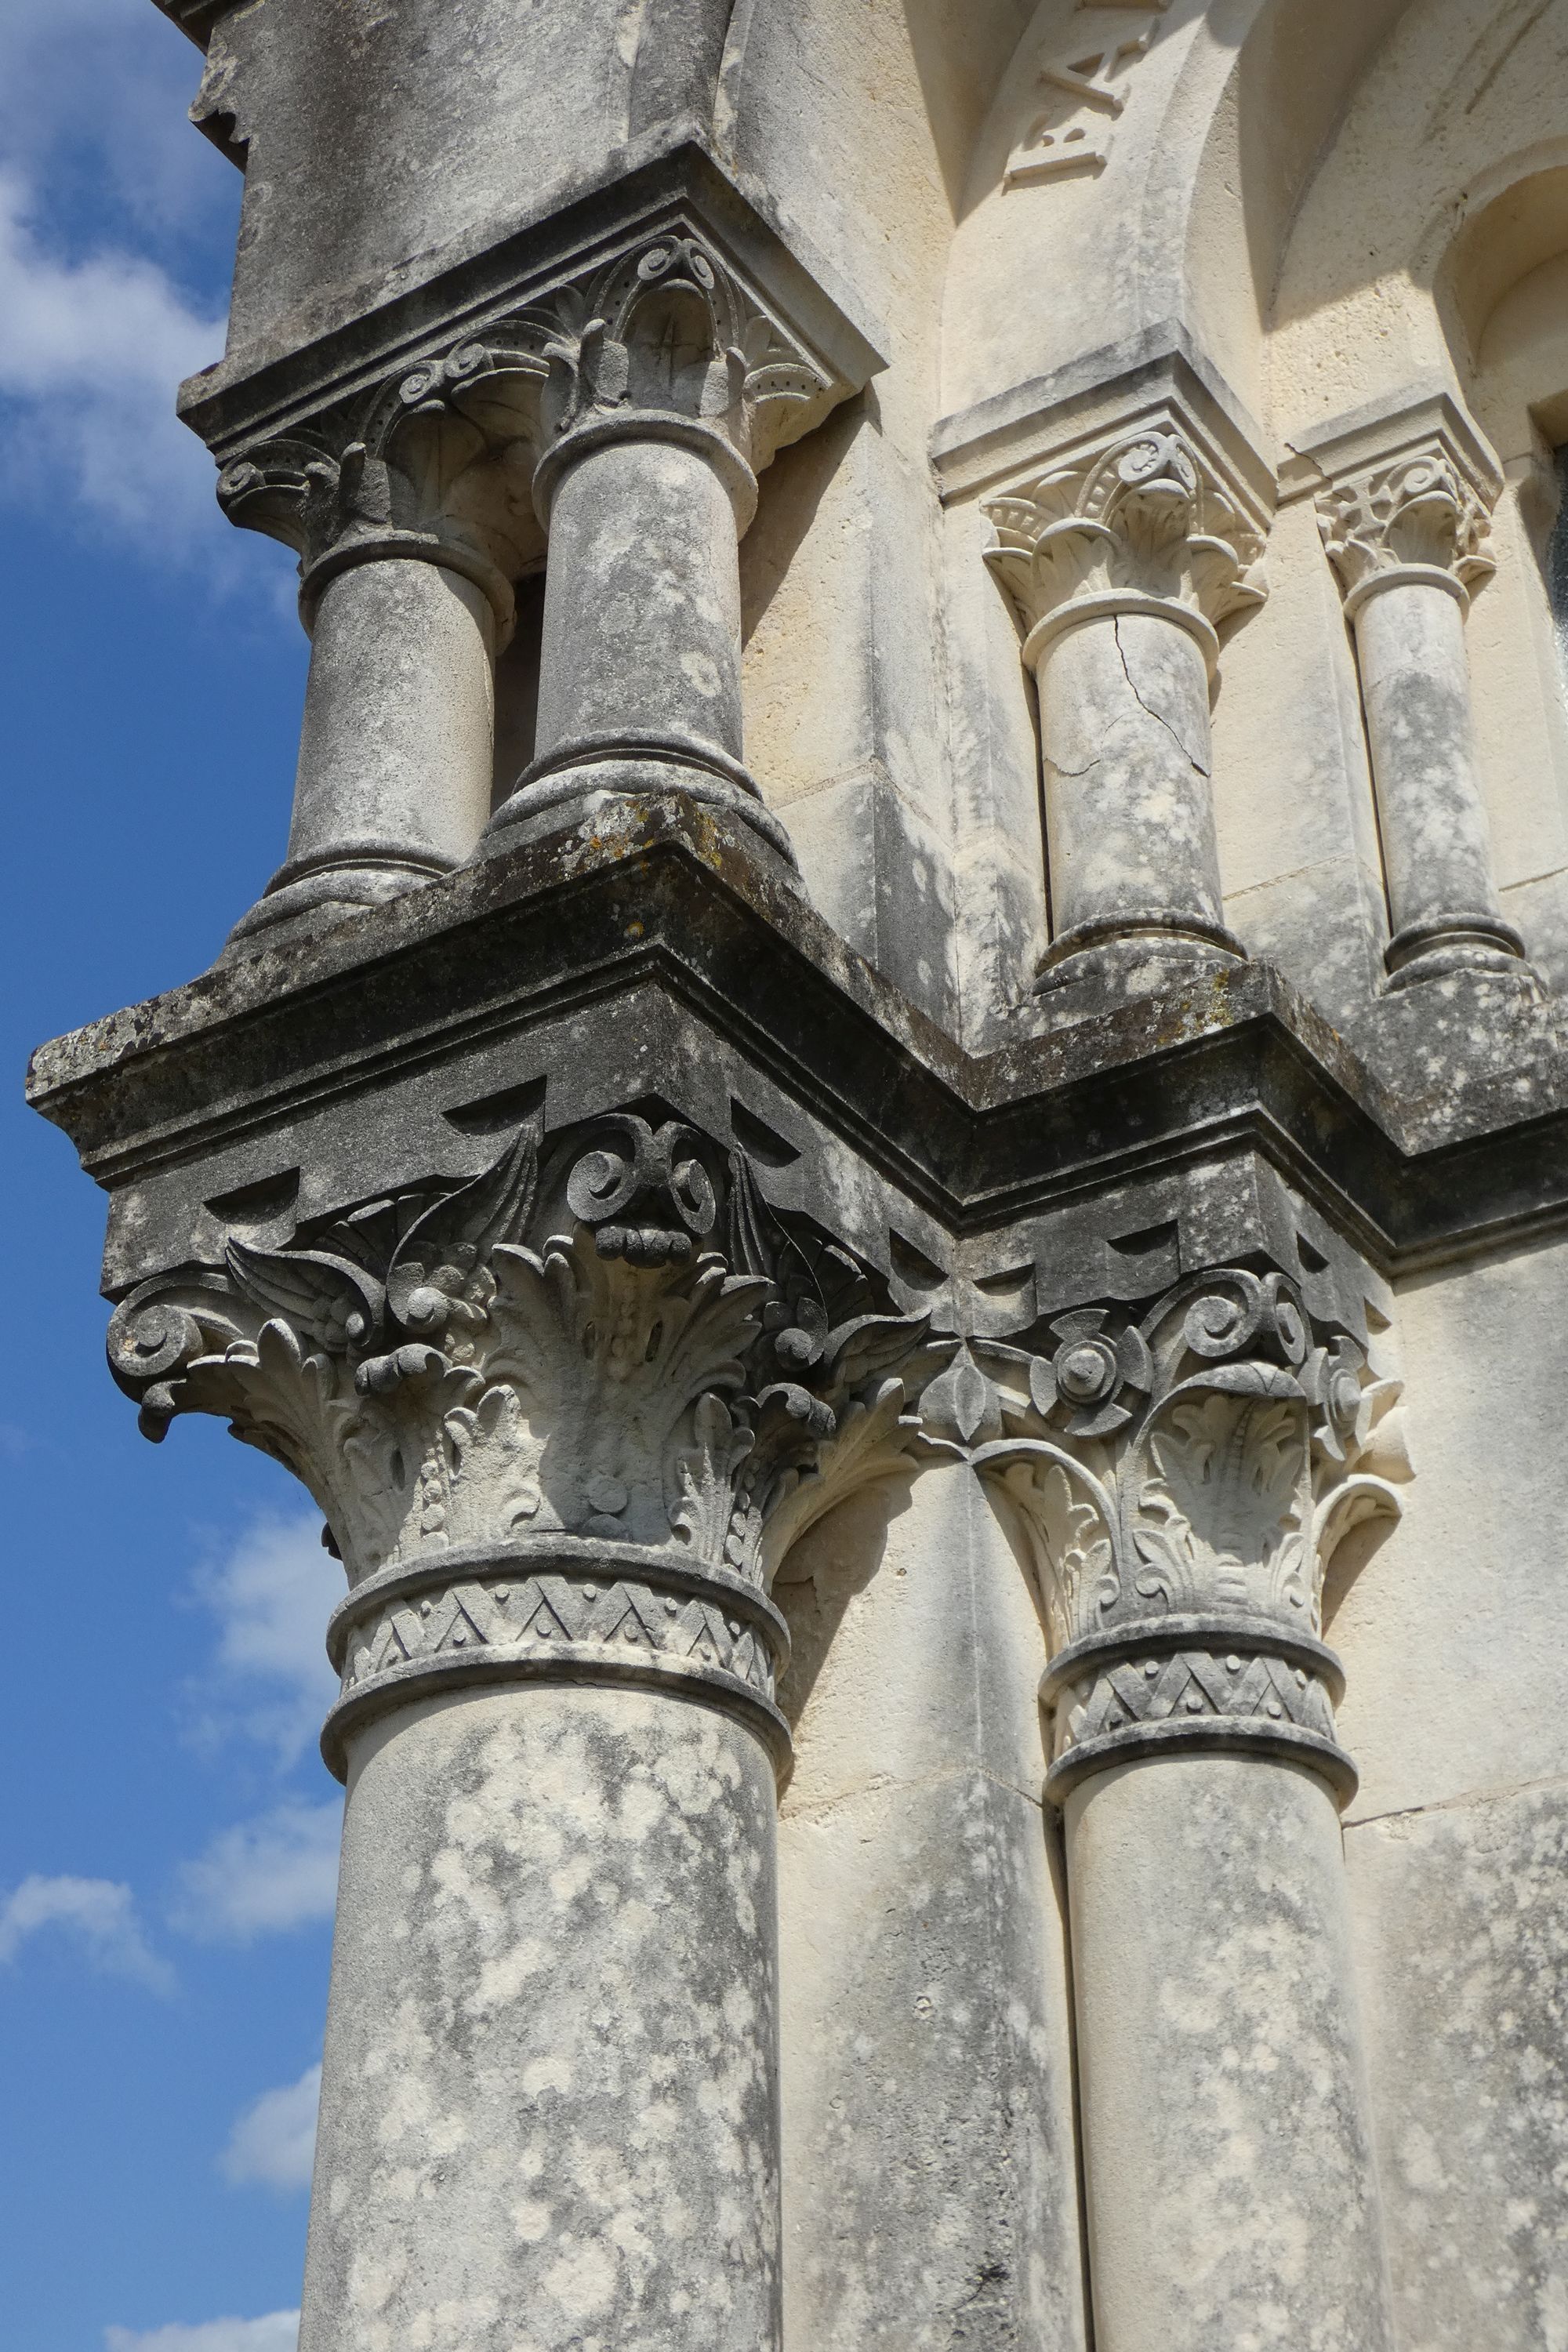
640 667
549 2110
1437 845
394 781
642 607
1231 2192
1124 724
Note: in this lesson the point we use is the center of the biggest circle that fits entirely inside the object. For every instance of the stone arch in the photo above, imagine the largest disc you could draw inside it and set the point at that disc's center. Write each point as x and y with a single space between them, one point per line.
1177 202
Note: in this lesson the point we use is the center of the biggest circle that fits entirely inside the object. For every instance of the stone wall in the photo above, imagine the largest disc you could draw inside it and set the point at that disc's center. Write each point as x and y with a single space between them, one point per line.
892 1149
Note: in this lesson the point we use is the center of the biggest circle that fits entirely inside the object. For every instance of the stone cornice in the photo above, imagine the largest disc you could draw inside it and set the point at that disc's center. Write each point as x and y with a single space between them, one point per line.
667 913
1381 433
194 17
1091 402
253 395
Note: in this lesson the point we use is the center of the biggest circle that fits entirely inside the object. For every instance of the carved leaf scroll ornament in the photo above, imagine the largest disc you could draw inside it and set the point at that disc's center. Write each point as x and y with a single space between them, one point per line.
439 1380
1194 1474
1417 513
1145 516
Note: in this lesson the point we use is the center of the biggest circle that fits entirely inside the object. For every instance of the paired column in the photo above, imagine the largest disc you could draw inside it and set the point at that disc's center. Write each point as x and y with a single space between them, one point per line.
627 415
1122 560
1179 1478
560 1446
1404 520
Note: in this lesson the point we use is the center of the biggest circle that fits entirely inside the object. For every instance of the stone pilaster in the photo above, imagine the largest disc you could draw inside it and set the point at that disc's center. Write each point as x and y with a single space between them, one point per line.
563 1422
1405 517
1122 556
670 385
1180 1475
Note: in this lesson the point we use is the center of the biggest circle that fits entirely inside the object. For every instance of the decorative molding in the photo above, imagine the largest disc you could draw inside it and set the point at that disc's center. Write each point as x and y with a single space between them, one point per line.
1142 521
1084 87
1181 1478
1405 491
441 1386
450 460
1418 517
571 1611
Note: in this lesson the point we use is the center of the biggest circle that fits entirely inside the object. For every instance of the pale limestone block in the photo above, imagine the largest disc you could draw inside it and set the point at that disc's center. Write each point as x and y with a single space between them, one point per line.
1294 815
1461 1928
1454 1632
926 2042
1521 695
928 2144
1231 2197
548 2090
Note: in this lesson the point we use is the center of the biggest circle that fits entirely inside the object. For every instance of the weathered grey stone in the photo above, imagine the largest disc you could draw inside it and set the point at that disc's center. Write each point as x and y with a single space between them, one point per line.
549 2084
1123 557
394 783
800 1095
1464 1951
931 2191
1232 2192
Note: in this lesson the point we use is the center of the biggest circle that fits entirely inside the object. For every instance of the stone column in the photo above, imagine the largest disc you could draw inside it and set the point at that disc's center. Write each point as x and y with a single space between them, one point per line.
559 1474
408 543
1180 1477
1405 518
1121 561
668 388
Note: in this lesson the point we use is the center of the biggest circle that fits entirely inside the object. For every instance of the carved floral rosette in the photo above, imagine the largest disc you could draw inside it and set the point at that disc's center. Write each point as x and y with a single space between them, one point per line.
563 1419
1181 1478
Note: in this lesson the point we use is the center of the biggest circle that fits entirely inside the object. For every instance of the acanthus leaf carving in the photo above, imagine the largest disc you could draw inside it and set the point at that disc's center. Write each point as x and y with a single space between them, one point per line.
1180 1477
1145 516
1419 510
441 1380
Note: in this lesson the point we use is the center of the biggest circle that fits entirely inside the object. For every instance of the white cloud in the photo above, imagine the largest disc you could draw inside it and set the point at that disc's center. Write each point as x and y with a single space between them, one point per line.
278 2332
272 1596
90 356
106 79
263 1877
97 1913
274 2141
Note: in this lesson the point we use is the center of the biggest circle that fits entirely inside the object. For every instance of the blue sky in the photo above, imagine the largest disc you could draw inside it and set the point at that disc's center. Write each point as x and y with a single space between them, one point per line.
168 1848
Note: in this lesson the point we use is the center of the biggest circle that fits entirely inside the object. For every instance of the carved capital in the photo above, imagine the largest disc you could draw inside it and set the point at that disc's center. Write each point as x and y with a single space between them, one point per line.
666 341
1145 521
1181 1478
433 464
1419 516
1404 496
453 460
484 1386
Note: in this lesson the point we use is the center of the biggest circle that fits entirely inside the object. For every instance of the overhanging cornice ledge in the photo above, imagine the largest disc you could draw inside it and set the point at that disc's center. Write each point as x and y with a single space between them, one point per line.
665 912
254 392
